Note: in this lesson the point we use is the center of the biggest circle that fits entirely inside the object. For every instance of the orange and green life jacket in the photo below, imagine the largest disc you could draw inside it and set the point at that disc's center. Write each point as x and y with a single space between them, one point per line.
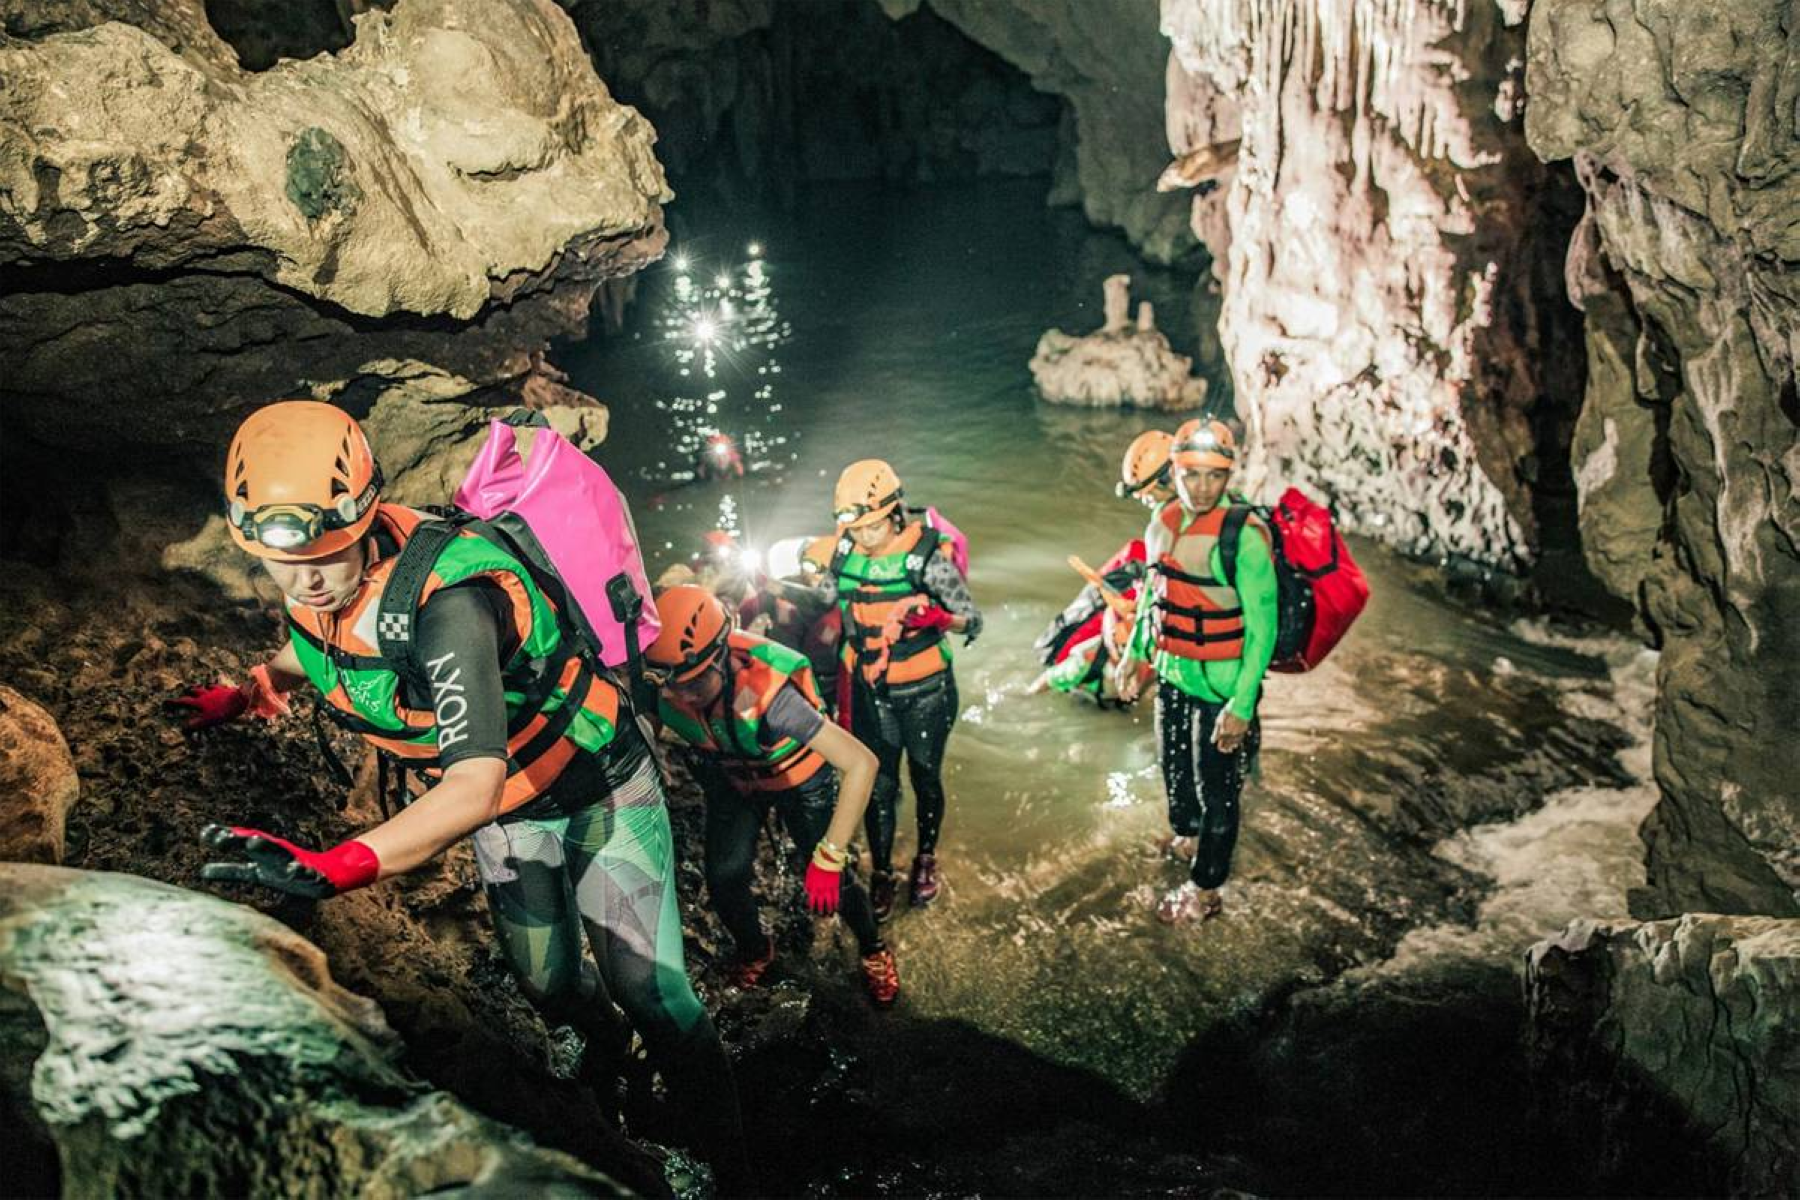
556 704
869 588
756 669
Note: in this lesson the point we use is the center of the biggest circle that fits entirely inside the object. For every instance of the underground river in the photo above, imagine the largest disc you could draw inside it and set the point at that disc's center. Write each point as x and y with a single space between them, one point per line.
1437 716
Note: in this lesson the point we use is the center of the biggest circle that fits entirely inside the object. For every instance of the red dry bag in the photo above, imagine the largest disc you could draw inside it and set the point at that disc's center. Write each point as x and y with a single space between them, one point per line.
1320 588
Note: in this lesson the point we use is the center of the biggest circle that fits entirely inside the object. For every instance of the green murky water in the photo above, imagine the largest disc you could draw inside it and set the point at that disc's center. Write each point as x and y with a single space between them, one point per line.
900 326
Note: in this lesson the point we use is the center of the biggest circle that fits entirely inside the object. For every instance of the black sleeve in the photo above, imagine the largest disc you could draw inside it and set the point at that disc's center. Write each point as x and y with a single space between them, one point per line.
459 645
790 715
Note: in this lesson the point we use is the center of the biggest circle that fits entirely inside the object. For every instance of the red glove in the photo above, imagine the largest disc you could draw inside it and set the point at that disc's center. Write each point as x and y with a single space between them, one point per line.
824 878
930 618
215 704
277 863
223 702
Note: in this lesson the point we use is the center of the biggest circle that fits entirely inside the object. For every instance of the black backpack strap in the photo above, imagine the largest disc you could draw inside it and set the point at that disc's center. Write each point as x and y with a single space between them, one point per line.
1229 536
838 554
397 621
919 557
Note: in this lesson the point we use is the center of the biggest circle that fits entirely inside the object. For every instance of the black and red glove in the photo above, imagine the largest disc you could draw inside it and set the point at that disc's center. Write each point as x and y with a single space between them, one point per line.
277 863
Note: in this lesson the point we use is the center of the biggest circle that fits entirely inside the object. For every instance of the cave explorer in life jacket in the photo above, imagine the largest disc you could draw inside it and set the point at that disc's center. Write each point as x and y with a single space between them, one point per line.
524 744
1083 642
748 706
1210 634
899 592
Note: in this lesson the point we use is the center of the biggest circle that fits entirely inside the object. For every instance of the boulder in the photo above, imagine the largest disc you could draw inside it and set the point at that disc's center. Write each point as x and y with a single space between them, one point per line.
1646 1039
183 239
163 1042
38 784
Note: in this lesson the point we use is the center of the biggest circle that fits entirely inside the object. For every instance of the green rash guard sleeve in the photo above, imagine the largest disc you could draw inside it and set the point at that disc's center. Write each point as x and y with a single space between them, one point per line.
1257 592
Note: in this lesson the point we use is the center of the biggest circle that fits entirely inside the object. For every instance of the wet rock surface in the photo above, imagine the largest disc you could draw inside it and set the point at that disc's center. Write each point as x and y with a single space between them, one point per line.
38 784
1670 1049
178 1044
1680 124
1396 327
184 238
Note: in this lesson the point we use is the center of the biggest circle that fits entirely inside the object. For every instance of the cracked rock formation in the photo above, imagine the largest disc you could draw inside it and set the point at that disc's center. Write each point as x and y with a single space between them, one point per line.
1683 1029
181 238
1396 327
162 1042
1680 120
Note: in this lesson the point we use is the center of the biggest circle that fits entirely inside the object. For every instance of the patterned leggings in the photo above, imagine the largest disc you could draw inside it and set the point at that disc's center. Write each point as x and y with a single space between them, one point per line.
608 871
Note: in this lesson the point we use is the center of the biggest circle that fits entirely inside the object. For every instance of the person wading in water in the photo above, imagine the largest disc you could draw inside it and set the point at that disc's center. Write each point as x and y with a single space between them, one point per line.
900 594
1210 634
525 746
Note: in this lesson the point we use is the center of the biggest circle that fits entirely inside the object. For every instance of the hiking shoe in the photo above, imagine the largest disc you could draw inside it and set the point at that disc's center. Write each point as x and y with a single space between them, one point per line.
881 975
742 972
882 886
1189 902
922 889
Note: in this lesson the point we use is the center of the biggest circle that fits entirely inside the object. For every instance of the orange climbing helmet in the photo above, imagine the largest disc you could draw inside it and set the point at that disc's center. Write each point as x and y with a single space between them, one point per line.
1146 462
1203 444
694 628
300 482
866 492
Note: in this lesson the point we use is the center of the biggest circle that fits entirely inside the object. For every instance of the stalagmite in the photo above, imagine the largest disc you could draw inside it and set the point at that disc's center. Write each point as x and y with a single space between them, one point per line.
1121 364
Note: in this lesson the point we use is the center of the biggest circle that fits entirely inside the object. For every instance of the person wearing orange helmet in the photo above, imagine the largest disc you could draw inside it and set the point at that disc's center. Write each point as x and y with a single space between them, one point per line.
1210 635
438 645
748 706
899 592
1143 475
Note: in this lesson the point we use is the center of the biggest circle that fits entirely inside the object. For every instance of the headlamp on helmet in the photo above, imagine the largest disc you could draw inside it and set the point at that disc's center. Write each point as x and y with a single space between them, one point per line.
852 513
289 526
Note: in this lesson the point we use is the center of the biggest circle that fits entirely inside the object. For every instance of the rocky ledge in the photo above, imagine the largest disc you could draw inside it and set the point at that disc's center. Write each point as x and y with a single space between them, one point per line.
1649 1039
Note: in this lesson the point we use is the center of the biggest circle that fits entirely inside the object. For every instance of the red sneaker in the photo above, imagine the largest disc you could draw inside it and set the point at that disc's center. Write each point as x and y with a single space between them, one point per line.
748 972
881 975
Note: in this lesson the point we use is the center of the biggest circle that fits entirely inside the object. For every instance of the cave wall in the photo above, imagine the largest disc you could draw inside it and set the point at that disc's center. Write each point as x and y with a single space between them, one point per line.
1387 244
181 239
750 96
1680 120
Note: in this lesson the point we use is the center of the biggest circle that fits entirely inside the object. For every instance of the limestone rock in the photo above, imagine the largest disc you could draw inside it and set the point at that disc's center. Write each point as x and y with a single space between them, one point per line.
1681 125
1396 343
1119 364
175 1044
183 238
1677 1028
38 784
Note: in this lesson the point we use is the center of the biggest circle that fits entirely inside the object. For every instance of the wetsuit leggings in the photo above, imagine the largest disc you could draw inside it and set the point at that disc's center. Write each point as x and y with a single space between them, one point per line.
733 822
1202 781
913 719
608 871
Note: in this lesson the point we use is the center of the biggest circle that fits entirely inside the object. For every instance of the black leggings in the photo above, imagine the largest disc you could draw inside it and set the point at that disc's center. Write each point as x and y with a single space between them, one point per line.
914 719
733 821
1202 781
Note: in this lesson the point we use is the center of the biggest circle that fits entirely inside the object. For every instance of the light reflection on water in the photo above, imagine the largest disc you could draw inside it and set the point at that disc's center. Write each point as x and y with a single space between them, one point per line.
912 320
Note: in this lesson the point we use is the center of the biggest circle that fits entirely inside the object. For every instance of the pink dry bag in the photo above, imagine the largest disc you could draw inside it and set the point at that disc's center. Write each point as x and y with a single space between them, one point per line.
561 509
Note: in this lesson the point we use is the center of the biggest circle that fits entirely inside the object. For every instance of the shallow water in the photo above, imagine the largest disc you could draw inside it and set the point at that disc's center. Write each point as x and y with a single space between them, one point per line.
900 326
